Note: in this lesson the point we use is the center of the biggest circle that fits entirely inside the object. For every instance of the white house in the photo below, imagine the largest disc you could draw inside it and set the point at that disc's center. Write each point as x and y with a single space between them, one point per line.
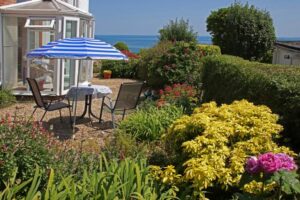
287 53
27 25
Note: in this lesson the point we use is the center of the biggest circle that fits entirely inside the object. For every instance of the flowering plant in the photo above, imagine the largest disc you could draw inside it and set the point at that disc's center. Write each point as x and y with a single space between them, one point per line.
178 94
270 172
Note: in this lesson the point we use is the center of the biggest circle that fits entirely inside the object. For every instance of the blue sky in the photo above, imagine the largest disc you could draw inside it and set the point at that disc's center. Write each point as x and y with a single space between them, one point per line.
146 17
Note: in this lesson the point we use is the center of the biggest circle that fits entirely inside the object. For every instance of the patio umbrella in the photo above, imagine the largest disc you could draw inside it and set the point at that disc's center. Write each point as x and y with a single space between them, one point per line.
78 49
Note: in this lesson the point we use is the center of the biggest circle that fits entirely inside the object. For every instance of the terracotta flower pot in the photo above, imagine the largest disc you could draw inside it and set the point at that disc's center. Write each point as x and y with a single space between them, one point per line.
107 74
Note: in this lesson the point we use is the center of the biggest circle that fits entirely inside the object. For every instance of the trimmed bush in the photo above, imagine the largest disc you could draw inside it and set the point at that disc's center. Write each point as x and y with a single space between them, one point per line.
243 30
150 123
6 98
228 78
120 69
169 63
148 59
209 50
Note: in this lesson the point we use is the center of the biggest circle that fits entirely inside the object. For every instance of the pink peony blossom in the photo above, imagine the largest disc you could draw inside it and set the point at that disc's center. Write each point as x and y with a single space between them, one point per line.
252 165
269 163
287 162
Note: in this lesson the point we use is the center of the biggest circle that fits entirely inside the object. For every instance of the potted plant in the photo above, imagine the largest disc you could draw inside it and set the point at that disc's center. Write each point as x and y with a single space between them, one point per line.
107 74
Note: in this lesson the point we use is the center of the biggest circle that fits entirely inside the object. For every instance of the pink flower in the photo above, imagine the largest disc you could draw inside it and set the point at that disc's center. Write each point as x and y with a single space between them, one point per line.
168 88
177 93
252 165
161 92
269 162
287 162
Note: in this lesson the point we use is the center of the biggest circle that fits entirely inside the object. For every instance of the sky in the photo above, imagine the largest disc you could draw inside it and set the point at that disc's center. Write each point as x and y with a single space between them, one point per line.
146 17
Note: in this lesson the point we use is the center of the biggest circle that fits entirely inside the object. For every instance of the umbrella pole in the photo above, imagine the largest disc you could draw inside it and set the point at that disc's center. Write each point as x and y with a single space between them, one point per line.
76 96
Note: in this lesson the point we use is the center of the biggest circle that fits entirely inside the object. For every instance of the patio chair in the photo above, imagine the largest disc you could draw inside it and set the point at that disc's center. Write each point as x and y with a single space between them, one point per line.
44 104
127 99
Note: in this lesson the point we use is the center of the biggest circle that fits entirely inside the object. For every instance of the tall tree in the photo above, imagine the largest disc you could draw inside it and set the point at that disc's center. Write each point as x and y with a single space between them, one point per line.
178 30
244 31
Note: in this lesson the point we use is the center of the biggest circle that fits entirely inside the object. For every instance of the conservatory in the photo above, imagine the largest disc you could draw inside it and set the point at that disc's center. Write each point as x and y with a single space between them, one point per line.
31 24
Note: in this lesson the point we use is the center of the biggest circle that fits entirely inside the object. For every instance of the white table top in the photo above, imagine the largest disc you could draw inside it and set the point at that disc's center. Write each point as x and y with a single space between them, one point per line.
97 91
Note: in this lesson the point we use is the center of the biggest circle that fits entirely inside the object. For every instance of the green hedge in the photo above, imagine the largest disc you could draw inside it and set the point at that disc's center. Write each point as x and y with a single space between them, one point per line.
120 69
228 78
210 50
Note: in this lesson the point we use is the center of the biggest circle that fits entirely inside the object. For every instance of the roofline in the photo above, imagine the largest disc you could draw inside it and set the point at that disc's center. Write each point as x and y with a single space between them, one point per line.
287 46
14 11
17 4
46 12
73 7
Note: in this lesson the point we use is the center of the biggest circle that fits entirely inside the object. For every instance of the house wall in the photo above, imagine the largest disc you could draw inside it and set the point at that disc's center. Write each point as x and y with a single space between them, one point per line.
286 56
6 2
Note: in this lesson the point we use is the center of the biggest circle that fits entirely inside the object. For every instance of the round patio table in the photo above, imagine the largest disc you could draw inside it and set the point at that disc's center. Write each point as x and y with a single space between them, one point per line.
86 92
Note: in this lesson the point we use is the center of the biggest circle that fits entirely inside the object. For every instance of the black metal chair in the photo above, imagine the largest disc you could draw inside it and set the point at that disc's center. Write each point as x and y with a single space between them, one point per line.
43 103
127 99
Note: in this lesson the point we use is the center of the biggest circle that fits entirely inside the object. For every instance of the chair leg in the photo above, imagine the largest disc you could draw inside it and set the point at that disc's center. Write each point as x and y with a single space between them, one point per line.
70 115
101 110
32 114
43 116
60 116
124 111
113 118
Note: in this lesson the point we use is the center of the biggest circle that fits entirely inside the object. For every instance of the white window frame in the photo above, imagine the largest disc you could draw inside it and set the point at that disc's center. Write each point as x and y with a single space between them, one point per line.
28 25
65 19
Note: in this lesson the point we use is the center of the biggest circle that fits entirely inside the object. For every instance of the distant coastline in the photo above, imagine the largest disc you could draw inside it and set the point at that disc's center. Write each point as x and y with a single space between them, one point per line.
137 42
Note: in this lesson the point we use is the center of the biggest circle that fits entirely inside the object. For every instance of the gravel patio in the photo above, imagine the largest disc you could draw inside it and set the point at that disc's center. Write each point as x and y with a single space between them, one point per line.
90 135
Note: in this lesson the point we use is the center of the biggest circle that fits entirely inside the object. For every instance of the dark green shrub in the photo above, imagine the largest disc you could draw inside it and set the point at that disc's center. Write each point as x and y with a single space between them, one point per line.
170 63
178 30
244 31
6 98
209 50
150 123
23 145
149 58
228 78
121 46
120 69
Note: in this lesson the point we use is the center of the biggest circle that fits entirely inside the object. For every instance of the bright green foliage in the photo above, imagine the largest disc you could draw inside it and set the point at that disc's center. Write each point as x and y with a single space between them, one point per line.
127 179
120 69
213 144
178 30
209 50
23 145
149 124
121 46
228 78
6 98
244 31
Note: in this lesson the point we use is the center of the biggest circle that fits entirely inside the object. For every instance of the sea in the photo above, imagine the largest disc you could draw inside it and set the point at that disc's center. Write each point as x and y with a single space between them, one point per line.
138 42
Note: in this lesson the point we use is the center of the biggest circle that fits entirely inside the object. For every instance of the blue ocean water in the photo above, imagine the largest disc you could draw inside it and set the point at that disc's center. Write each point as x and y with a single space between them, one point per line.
137 42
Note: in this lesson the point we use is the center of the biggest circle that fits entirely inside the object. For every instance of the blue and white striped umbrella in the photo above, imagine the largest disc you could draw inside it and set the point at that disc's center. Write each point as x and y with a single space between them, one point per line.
78 48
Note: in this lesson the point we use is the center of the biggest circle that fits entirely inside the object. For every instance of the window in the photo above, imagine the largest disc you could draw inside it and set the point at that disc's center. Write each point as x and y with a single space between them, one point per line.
40 23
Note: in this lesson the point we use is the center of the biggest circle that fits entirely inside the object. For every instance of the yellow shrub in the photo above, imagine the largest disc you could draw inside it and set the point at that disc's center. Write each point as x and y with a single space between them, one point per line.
218 140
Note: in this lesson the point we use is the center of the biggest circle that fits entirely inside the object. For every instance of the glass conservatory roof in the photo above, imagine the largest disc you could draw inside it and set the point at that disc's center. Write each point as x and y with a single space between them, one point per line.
44 7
